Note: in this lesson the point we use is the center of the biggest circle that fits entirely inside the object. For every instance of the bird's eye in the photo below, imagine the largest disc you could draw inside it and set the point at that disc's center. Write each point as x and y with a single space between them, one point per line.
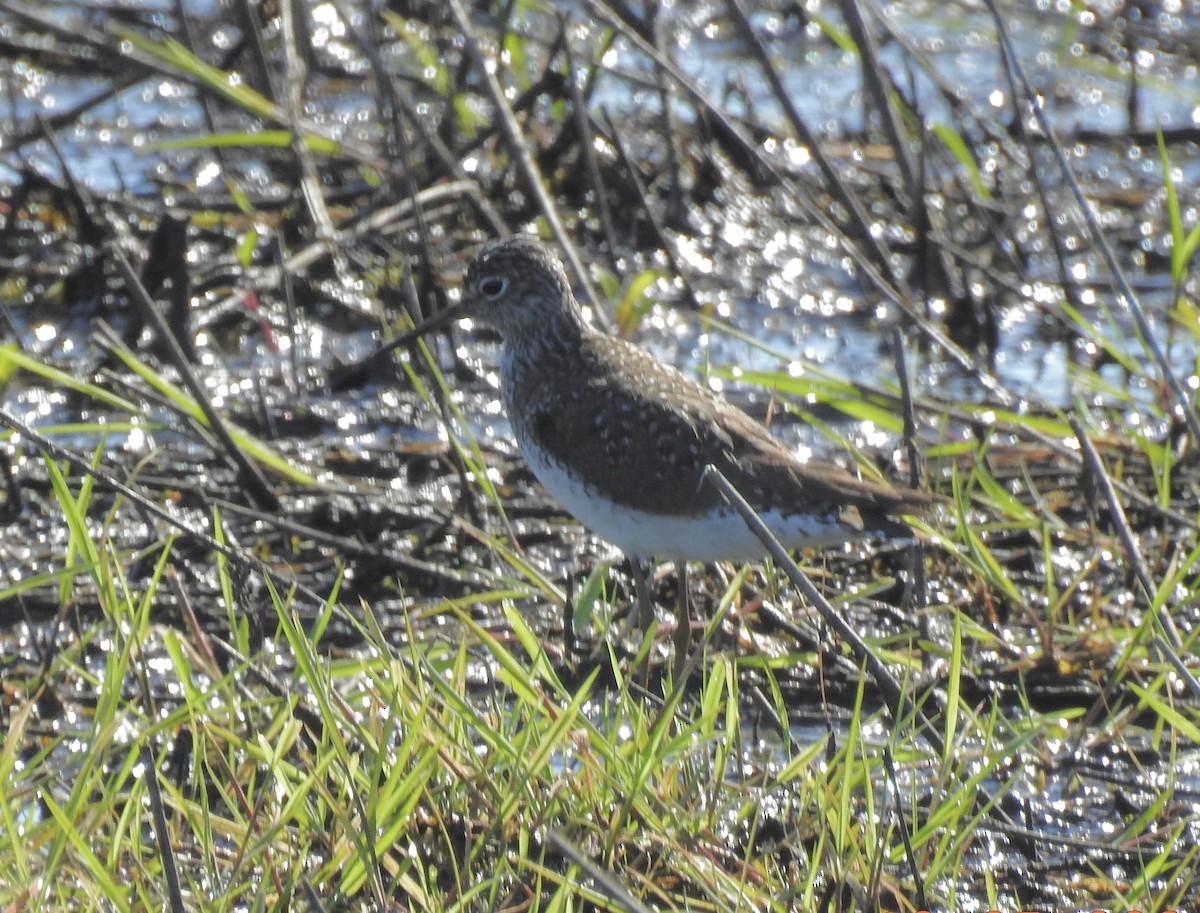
493 286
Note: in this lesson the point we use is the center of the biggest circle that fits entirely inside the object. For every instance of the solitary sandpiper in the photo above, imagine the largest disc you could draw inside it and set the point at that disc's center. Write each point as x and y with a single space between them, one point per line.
622 440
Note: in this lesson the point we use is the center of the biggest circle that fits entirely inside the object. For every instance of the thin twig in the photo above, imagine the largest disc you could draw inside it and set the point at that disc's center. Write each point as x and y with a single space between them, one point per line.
887 682
109 481
929 728
915 870
606 882
1116 513
910 415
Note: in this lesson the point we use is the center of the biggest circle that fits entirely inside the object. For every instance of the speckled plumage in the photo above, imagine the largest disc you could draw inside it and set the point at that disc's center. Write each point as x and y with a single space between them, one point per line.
621 440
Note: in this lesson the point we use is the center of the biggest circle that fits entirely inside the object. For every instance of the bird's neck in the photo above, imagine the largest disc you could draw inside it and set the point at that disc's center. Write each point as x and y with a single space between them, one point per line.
558 338
558 348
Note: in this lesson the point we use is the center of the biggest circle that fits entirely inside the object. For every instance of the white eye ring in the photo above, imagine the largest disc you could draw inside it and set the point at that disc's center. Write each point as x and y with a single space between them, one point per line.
494 286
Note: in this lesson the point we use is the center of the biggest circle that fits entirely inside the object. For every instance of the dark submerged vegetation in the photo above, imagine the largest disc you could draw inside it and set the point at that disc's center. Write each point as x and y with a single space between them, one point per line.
284 628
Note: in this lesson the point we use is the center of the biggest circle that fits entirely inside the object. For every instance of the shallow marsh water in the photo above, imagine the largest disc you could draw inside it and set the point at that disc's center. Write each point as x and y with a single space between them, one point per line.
392 481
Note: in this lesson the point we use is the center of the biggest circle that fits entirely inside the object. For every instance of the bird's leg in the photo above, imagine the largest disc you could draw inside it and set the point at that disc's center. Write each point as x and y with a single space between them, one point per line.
626 619
645 603
645 614
683 621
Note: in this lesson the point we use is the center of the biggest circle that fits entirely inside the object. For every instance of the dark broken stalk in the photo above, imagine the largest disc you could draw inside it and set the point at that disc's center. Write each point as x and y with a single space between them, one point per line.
912 452
650 211
166 266
877 87
914 870
259 489
909 412
162 831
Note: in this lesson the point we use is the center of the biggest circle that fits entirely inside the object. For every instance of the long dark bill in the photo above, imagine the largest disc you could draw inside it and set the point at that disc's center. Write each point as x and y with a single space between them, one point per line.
352 373
436 322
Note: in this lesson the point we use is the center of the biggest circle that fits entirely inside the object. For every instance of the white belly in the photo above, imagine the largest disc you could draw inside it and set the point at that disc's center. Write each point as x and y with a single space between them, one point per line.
720 535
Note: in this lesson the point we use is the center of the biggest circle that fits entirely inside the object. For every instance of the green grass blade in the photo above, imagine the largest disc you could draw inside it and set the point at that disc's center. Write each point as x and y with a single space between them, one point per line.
12 358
